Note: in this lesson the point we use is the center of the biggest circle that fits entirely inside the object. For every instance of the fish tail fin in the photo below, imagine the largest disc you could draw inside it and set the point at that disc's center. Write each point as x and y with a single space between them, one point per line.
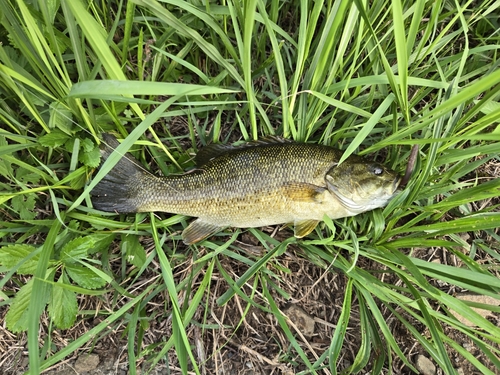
120 190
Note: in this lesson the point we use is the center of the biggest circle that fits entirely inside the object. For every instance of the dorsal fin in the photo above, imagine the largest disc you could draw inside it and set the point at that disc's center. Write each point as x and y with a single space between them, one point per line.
215 150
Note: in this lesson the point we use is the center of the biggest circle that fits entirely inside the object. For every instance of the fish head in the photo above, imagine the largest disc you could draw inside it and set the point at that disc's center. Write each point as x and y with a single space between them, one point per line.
361 185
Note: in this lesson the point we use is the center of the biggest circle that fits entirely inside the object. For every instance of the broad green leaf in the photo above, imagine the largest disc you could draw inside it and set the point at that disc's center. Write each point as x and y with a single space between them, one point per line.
63 305
76 249
84 277
101 242
90 158
18 316
11 255
55 138
27 176
24 204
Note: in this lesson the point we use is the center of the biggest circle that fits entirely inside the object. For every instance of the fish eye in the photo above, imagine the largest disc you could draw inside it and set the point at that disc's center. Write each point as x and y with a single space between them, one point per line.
377 171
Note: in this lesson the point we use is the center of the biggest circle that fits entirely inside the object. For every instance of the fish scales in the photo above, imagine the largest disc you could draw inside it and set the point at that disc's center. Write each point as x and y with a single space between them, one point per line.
267 183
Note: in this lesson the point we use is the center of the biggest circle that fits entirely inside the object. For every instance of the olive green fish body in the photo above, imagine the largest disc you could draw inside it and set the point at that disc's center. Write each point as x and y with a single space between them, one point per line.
263 183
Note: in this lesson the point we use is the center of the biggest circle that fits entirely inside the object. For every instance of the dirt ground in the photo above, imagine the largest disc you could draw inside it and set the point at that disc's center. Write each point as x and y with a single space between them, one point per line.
253 346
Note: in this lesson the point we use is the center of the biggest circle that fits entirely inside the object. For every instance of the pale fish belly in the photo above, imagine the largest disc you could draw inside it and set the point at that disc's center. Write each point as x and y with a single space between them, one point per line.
273 209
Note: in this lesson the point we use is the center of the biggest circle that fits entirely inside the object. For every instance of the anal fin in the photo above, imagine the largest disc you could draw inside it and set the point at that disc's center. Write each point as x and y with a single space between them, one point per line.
198 230
303 227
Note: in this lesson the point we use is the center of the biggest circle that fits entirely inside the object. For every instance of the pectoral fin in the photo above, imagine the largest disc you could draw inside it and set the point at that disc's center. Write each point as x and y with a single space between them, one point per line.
304 227
199 230
303 192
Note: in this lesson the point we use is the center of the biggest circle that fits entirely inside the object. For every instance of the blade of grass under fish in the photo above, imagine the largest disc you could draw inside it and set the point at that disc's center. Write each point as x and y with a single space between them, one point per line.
129 20
416 21
102 88
338 339
39 297
222 300
307 28
283 82
186 31
402 55
441 356
96 36
370 342
181 342
249 8
132 327
382 325
367 128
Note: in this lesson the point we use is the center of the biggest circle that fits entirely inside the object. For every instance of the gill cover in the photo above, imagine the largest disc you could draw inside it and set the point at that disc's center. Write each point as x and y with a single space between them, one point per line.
360 185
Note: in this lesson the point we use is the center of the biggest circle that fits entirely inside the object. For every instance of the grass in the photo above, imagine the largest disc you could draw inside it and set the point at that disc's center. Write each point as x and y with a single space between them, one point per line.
172 76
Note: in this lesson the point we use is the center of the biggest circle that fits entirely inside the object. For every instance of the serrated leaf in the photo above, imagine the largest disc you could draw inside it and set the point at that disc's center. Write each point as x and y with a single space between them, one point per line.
17 317
84 277
133 250
11 255
24 204
91 158
76 249
27 176
102 242
87 145
5 168
63 305
55 138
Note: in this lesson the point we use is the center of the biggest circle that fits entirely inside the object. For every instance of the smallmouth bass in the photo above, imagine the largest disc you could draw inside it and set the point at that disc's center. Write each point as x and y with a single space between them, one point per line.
267 182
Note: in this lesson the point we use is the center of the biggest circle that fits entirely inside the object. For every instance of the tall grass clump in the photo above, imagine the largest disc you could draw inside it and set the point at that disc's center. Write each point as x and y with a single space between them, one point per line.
170 76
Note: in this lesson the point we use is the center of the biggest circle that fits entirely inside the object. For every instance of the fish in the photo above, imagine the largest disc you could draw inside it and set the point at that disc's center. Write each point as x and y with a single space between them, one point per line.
261 183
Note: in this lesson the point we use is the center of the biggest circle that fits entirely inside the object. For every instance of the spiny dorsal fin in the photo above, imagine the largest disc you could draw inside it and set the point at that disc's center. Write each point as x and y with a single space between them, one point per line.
215 150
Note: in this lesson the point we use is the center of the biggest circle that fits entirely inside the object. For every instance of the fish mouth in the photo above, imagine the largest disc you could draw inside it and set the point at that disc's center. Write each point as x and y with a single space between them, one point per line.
397 183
